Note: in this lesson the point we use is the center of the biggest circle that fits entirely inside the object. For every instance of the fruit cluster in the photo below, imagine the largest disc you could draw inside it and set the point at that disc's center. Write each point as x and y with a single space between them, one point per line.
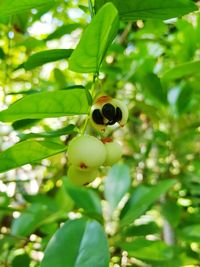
86 153
108 111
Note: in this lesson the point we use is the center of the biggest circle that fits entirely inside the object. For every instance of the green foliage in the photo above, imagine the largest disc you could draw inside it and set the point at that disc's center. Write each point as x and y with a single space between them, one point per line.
57 58
28 152
44 57
84 242
158 9
88 55
48 105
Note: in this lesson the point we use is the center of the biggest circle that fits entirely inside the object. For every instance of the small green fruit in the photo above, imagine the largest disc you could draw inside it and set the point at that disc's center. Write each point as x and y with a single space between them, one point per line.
86 152
113 153
81 176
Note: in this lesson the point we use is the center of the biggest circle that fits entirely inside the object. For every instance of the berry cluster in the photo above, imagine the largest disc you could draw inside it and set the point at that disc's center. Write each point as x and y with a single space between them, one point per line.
108 111
86 153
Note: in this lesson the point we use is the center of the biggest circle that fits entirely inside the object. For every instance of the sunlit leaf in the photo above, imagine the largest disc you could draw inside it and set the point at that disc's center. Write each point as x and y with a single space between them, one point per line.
12 7
48 105
97 37
148 9
28 152
43 57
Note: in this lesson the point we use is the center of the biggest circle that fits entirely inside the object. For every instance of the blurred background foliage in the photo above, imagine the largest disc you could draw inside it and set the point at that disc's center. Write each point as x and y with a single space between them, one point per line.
149 203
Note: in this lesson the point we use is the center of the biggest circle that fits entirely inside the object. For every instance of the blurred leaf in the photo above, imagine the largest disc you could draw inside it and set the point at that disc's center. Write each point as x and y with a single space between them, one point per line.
152 85
29 220
48 105
62 30
117 184
85 198
2 54
54 133
24 124
141 230
22 260
77 243
184 99
28 152
141 199
148 250
148 9
185 69
96 39
12 7
191 233
43 57
172 212
60 77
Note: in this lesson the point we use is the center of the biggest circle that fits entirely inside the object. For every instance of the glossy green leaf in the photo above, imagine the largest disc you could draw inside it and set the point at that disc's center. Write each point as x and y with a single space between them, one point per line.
141 199
29 220
63 131
184 70
148 250
85 198
12 7
48 105
117 184
62 30
148 9
28 152
96 39
78 243
43 57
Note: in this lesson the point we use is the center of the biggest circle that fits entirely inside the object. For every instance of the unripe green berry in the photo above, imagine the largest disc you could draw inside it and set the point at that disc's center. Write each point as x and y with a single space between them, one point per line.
81 176
86 152
113 153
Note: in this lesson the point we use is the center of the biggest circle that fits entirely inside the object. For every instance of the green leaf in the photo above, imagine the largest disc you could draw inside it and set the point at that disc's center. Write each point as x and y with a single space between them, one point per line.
96 39
117 184
43 57
141 230
172 212
152 85
29 220
184 70
148 250
12 7
2 54
141 199
63 131
78 243
148 9
48 105
28 152
191 233
22 260
84 198
64 29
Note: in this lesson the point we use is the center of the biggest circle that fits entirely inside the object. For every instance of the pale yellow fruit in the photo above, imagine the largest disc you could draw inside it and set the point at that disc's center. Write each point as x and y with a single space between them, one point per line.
81 176
124 109
113 153
86 152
